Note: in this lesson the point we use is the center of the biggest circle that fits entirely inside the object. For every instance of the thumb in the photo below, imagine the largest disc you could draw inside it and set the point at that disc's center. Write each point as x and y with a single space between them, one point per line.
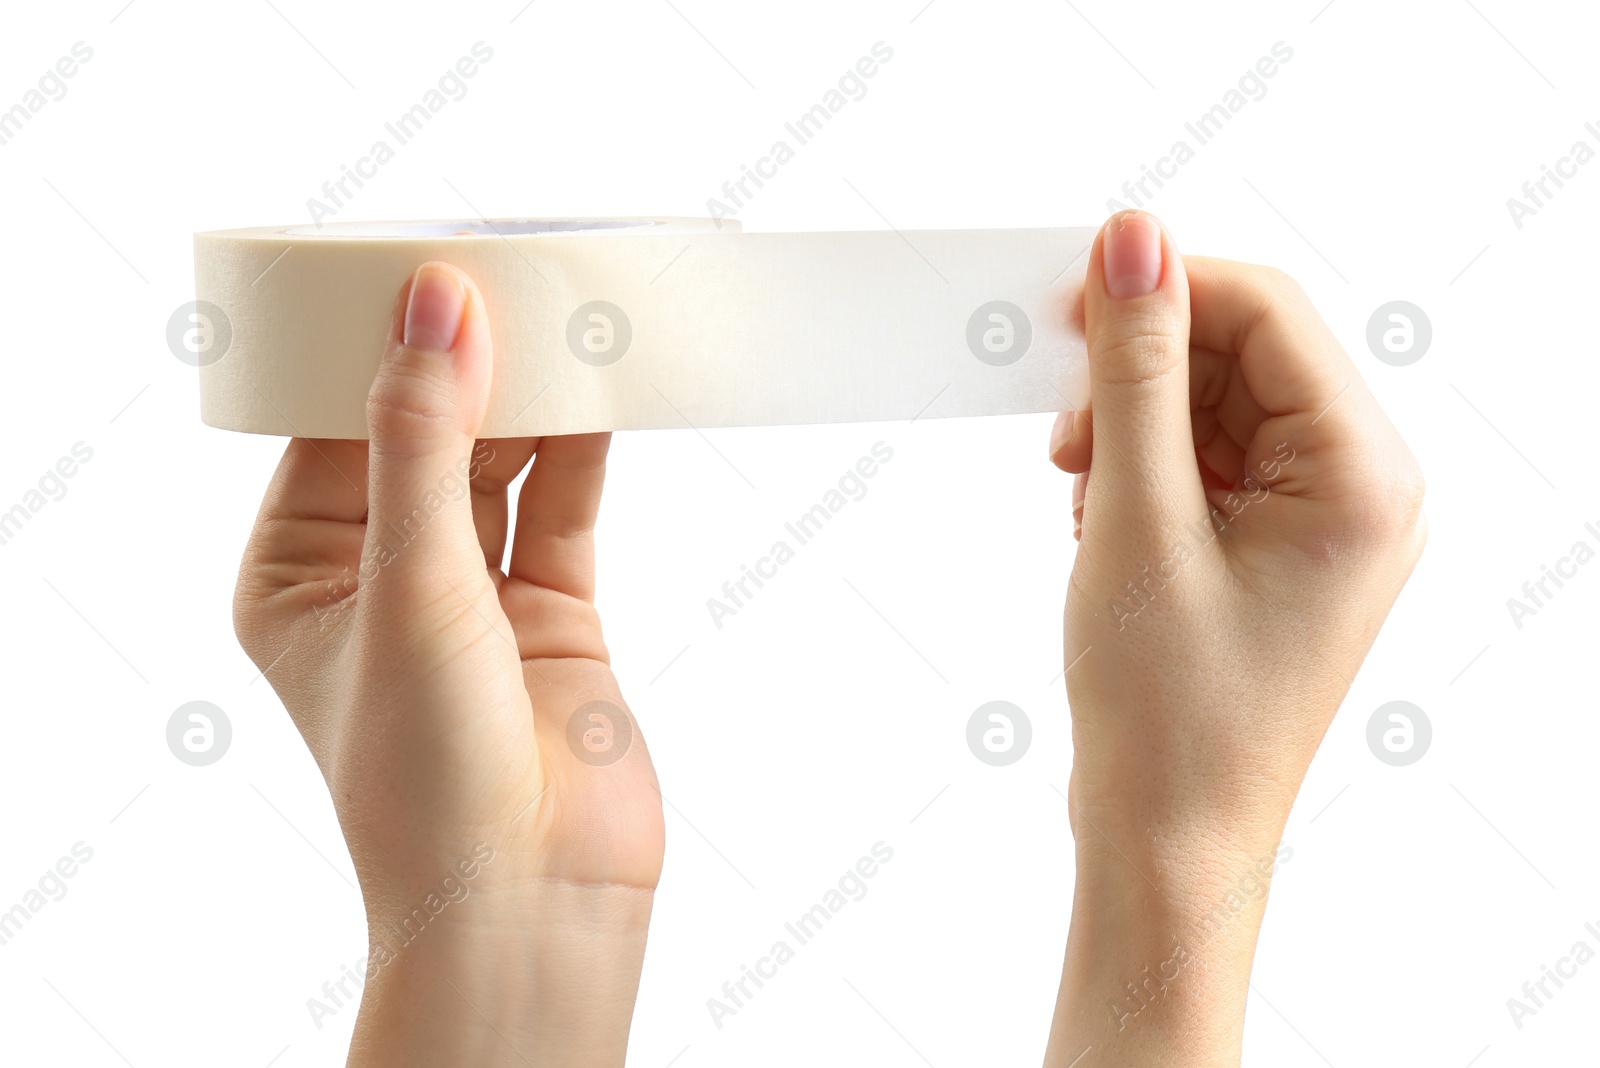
1136 321
423 415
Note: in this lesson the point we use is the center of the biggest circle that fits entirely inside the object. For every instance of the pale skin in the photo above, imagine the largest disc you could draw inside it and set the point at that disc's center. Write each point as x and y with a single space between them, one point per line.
435 692
1198 705
435 680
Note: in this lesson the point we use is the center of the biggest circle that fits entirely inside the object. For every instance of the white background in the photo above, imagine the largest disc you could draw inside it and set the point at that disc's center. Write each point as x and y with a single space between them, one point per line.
1376 168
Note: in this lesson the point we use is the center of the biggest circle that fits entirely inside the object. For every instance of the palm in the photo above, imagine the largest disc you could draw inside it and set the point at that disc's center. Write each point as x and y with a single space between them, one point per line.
462 708
603 821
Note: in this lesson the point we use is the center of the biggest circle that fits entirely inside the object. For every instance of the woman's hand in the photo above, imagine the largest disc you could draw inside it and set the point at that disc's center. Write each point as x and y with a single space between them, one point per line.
1248 516
497 799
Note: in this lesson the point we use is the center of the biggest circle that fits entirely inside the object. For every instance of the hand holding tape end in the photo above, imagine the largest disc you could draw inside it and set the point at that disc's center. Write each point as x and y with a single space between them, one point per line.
633 324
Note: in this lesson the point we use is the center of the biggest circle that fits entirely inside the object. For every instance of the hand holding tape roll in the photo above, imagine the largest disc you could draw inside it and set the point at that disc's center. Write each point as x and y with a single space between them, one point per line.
629 324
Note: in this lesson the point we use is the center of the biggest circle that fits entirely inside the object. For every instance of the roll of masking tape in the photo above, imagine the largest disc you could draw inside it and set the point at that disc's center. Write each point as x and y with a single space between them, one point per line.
630 324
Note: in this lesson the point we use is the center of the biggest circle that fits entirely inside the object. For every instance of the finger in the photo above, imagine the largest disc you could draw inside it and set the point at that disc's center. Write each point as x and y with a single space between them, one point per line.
309 525
554 542
1221 458
1136 320
318 480
1072 440
423 414
1321 460
1217 385
1287 357
305 548
1223 412
1324 435
496 464
547 625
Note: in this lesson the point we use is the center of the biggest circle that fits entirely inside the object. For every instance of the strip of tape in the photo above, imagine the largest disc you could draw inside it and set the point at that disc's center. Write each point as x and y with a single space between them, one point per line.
633 324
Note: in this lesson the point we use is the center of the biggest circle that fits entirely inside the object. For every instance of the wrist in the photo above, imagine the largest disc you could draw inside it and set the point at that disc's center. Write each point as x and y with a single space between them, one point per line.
1185 802
546 971
1158 957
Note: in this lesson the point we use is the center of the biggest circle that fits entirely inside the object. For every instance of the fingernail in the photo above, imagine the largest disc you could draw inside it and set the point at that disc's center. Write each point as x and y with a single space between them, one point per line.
433 312
1132 252
1061 433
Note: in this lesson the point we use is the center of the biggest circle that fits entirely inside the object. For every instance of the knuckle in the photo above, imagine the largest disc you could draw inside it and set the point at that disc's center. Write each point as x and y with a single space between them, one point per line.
1145 354
1406 490
1282 282
556 527
405 399
1388 516
1388 512
1278 288
1263 283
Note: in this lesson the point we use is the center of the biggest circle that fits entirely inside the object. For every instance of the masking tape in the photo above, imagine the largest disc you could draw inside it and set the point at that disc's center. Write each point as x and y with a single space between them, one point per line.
631 324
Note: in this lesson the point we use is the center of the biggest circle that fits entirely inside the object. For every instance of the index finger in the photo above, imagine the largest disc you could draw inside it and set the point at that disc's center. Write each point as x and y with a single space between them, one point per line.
1290 359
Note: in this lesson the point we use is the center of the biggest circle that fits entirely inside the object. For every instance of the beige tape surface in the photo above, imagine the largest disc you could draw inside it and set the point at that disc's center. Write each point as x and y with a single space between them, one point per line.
651 323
